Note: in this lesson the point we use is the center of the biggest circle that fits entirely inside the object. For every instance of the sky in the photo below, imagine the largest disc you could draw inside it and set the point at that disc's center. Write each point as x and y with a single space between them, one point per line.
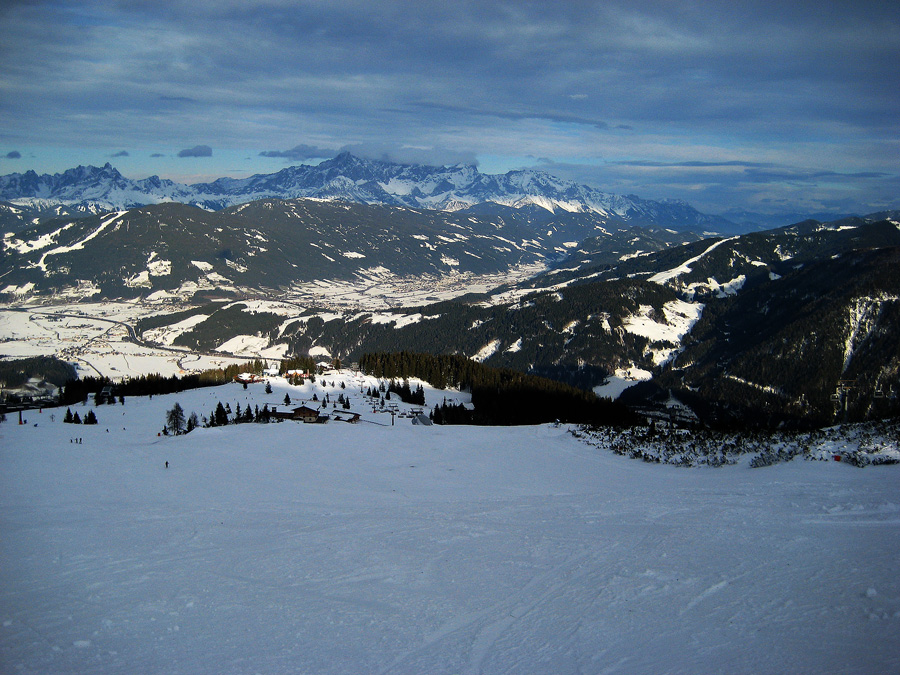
737 105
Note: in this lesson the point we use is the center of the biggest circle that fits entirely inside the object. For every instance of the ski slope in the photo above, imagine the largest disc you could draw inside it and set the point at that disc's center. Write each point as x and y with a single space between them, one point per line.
338 548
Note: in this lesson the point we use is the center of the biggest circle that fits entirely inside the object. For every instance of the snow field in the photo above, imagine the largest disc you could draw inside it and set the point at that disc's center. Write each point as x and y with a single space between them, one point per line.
364 548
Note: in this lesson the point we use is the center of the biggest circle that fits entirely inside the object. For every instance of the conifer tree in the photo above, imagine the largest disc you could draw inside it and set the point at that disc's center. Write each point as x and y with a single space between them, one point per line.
220 415
175 421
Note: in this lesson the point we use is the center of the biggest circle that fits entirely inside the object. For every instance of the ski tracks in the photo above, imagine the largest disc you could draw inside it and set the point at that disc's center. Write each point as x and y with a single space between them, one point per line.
490 624
712 590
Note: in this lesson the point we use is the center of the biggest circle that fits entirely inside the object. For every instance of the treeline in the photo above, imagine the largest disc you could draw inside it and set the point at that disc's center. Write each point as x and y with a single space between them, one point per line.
177 423
15 373
305 363
406 393
77 390
444 371
499 395
223 415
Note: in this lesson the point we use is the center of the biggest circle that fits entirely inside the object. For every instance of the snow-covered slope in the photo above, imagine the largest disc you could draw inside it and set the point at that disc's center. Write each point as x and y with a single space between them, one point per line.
376 549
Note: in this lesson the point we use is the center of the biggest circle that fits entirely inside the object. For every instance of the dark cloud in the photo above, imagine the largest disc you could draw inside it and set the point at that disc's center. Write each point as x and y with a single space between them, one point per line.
677 88
120 153
506 114
299 153
436 156
800 175
14 154
196 151
157 154
689 164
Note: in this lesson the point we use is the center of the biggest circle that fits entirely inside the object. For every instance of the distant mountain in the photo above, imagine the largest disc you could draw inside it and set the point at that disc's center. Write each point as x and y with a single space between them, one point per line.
14 218
352 179
90 187
260 246
751 221
797 325
766 328
720 266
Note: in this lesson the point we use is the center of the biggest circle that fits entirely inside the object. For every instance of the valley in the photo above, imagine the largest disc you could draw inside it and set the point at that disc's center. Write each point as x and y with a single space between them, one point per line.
100 336
97 344
797 325
449 338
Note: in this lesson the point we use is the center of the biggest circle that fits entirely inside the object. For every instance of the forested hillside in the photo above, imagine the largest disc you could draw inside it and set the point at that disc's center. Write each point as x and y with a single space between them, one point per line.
816 346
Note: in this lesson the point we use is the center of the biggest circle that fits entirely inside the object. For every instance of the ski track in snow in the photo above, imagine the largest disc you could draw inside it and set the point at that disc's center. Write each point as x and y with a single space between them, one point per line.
685 267
375 549
79 244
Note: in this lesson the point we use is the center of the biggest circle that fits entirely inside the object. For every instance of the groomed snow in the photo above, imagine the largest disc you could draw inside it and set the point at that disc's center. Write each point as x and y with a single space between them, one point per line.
11 241
685 267
291 548
399 320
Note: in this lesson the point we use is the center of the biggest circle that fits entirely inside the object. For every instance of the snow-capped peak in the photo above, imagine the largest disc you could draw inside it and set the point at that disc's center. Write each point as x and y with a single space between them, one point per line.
349 178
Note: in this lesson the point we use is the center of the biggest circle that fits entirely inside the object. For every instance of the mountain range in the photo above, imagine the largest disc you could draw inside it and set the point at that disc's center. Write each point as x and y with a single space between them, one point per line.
89 189
268 245
792 326
796 325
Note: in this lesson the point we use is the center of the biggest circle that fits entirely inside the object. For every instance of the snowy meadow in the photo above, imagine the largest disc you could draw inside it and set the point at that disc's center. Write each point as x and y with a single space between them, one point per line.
371 548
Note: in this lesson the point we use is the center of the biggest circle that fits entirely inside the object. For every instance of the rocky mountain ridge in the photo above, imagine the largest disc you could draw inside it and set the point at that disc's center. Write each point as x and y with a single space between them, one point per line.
350 178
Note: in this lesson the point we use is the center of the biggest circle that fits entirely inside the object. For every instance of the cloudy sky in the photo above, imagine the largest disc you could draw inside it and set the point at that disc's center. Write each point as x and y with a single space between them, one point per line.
741 104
